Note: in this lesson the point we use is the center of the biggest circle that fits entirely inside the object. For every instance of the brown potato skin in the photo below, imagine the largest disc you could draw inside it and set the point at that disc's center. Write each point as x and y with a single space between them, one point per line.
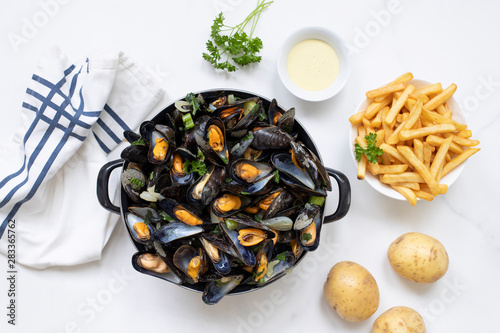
399 319
351 291
418 257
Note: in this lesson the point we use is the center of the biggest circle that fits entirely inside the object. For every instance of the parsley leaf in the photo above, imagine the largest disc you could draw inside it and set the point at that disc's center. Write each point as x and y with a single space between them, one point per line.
191 98
306 237
372 152
237 45
198 165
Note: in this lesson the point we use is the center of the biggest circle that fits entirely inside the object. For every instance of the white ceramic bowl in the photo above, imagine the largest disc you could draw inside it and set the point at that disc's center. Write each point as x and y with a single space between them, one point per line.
374 182
328 37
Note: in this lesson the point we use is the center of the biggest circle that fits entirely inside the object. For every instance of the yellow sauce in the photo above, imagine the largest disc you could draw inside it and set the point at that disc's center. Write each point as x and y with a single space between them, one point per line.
313 65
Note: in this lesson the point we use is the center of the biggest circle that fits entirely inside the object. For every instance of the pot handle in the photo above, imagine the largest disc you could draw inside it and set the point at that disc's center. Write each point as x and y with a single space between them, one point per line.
103 185
344 196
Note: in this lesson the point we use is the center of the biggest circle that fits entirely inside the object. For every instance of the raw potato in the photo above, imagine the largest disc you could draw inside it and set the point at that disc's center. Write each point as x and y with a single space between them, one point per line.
399 319
351 291
418 257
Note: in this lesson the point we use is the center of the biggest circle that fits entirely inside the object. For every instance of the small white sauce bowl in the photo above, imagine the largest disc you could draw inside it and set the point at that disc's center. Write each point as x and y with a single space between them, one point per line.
331 39
386 190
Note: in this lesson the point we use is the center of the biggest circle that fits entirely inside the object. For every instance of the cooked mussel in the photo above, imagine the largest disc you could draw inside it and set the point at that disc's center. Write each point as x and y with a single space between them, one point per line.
270 137
141 231
191 261
228 204
181 213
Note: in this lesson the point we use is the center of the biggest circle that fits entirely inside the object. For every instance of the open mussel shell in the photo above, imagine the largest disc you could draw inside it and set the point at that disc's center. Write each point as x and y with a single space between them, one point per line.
181 213
177 173
146 212
229 204
218 257
280 223
311 164
206 188
306 217
213 142
176 230
280 118
141 232
192 262
270 137
216 290
308 237
263 257
243 253
161 144
152 264
248 171
278 267
284 163
239 149
275 201
133 181
136 154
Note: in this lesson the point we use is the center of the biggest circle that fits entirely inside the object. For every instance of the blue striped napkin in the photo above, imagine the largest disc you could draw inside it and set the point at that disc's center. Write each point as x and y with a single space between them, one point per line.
73 116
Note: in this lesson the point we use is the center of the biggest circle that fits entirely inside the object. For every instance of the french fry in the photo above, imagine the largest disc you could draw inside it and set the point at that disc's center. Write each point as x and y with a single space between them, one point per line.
375 107
405 78
435 88
459 159
385 90
413 186
439 119
424 195
436 141
362 168
421 169
439 159
427 155
466 133
394 153
396 107
357 118
392 169
462 141
425 131
407 193
405 177
441 98
418 149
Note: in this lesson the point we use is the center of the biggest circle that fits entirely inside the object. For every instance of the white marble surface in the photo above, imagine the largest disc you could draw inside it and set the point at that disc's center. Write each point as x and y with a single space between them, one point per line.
446 41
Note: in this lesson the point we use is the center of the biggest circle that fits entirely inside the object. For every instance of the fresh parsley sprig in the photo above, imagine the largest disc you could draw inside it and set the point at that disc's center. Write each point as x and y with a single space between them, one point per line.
197 165
372 152
233 43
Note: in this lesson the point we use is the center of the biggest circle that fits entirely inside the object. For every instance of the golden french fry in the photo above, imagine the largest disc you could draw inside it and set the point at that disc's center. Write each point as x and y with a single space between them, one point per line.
375 107
438 162
405 177
396 107
407 193
418 149
420 168
377 121
462 141
466 133
394 153
425 131
405 78
459 159
407 123
357 118
423 195
413 186
436 141
362 168
441 98
393 168
435 88
427 155
439 119
385 90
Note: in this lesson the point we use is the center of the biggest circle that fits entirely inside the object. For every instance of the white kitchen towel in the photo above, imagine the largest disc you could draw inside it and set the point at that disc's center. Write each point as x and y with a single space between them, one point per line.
73 115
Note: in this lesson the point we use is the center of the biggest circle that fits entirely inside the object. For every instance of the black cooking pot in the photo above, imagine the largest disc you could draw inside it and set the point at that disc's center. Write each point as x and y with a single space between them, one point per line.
344 189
